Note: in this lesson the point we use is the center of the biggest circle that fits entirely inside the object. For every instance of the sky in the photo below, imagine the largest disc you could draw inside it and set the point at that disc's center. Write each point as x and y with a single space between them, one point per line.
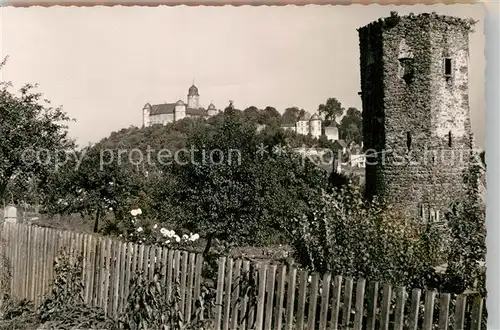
102 64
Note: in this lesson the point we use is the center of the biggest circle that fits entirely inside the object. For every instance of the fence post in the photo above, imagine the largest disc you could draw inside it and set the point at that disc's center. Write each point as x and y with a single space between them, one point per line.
271 274
444 306
313 298
302 299
360 299
189 287
325 297
337 288
400 308
477 312
292 277
280 299
372 299
429 309
415 306
183 274
220 292
227 291
460 312
197 281
386 307
261 296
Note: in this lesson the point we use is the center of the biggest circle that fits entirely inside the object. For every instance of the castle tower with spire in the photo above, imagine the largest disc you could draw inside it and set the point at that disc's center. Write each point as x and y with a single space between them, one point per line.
193 98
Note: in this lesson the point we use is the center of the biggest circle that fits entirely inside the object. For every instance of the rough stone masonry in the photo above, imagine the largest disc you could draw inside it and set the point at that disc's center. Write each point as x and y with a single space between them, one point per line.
416 122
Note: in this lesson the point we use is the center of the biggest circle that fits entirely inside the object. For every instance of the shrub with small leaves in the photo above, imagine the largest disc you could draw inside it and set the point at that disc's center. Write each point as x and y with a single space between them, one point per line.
344 234
64 307
151 306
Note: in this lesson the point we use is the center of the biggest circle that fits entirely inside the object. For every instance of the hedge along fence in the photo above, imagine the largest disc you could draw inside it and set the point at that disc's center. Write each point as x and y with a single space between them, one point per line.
249 295
108 266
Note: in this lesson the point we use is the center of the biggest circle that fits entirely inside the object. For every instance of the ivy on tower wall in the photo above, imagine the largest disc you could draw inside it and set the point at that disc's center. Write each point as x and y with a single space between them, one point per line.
414 81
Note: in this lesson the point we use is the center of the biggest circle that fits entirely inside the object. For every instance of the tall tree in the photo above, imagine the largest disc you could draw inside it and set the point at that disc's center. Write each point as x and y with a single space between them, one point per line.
233 193
291 115
330 110
271 112
351 126
33 135
252 114
270 116
94 185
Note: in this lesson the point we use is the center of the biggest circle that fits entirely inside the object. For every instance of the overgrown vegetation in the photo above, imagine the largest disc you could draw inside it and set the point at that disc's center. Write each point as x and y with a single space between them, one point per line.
246 197
149 305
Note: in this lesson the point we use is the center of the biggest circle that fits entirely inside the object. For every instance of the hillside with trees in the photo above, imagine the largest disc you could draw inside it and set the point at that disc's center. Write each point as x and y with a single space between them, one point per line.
258 199
254 198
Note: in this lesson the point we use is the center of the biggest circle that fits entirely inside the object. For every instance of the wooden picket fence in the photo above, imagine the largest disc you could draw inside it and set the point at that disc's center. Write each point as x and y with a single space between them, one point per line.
249 295
287 299
108 266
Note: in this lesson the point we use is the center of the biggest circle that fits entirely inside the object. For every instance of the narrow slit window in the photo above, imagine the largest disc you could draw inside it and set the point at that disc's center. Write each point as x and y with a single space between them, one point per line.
447 67
449 139
408 140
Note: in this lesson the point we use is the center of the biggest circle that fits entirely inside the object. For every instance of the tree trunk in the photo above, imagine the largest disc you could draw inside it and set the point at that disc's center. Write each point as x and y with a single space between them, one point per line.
3 188
207 247
96 222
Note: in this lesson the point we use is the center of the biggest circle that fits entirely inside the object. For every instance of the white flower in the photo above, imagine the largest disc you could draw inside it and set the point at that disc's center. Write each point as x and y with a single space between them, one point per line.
177 238
155 226
167 242
139 229
136 212
185 237
309 279
111 209
164 232
194 237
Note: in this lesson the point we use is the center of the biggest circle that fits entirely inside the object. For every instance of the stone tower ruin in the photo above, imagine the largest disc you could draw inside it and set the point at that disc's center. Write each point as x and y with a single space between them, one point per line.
416 122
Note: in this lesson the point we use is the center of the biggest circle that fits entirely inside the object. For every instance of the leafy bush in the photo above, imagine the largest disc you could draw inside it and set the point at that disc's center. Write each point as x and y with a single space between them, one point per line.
13 308
64 307
151 306
18 315
343 234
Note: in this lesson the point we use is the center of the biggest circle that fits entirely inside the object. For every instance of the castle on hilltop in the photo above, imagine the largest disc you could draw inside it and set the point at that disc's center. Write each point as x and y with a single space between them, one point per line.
170 112
415 95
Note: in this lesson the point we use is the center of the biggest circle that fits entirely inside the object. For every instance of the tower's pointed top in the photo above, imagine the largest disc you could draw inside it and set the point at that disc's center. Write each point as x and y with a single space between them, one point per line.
193 90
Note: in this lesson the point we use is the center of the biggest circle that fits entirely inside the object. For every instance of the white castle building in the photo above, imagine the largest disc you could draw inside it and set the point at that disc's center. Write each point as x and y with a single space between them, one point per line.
306 124
169 112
